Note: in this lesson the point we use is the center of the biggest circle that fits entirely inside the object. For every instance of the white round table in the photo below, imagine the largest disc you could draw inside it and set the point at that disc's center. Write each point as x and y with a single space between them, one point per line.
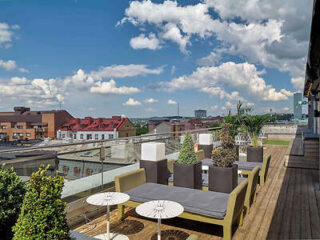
108 199
160 209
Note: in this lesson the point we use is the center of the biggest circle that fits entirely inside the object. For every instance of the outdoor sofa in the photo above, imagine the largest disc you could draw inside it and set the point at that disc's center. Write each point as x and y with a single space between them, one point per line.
253 177
204 206
246 168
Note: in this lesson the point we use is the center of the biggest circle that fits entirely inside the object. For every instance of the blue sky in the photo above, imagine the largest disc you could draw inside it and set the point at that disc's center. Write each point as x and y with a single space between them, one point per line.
139 58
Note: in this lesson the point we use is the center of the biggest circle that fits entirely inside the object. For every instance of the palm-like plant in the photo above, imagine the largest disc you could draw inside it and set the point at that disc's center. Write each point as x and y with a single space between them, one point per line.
253 125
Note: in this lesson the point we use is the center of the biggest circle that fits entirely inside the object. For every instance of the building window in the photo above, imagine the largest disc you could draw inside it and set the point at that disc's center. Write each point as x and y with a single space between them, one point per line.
76 171
18 126
127 134
74 136
89 172
4 127
96 136
28 134
89 136
81 136
21 134
102 136
63 135
110 136
65 170
127 126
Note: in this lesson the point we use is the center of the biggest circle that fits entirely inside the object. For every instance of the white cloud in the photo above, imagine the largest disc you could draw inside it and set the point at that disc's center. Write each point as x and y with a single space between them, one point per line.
8 65
38 91
131 102
286 109
298 83
11 65
142 41
18 80
6 34
122 71
150 100
171 102
273 33
111 88
82 80
243 77
173 69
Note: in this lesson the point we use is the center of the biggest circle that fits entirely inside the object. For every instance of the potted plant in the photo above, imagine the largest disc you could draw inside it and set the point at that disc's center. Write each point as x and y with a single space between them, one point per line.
223 174
12 191
43 213
253 125
187 170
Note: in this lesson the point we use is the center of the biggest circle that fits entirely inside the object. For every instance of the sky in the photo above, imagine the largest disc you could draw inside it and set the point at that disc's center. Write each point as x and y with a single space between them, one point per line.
142 58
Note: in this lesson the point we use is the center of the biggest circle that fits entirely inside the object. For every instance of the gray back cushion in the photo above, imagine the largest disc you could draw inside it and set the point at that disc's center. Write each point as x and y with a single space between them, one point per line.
206 203
79 236
248 165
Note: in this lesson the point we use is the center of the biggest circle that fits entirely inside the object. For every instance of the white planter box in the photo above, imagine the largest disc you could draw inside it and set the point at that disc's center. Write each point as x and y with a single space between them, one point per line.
153 151
205 139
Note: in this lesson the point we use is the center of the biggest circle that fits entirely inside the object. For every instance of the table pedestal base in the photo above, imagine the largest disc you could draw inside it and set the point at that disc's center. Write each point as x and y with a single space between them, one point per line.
113 236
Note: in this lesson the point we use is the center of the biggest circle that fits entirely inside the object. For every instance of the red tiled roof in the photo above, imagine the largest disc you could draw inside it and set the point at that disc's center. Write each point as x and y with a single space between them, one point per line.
94 124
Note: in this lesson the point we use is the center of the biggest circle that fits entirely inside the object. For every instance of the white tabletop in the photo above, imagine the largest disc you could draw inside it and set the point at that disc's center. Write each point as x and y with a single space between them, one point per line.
160 209
108 198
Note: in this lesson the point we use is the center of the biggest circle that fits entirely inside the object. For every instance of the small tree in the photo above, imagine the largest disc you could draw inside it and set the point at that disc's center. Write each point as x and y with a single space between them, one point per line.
42 215
187 154
11 197
225 155
253 125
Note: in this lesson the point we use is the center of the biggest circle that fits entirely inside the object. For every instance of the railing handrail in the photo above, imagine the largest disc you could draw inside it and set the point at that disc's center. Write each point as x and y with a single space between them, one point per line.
105 140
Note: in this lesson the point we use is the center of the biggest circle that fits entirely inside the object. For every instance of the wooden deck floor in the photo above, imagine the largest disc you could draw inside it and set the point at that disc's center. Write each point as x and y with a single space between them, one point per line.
287 207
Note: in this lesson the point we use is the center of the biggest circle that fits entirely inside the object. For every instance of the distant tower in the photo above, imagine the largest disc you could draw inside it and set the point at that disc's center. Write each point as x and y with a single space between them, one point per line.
297 107
200 113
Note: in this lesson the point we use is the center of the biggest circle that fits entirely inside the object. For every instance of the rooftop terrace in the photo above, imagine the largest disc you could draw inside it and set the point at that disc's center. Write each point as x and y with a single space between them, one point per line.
287 207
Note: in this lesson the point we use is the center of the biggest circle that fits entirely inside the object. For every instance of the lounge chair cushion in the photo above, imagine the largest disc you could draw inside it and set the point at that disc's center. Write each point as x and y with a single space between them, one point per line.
205 179
248 165
206 203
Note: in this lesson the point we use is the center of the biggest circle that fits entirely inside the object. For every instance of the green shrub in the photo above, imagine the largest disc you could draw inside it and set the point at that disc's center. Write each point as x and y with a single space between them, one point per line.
42 215
11 197
225 155
187 154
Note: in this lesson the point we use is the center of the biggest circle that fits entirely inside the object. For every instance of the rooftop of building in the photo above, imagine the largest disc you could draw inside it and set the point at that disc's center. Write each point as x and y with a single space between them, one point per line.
94 124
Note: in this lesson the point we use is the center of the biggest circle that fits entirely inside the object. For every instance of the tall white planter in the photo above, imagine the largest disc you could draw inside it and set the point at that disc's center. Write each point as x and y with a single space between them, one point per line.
154 162
206 143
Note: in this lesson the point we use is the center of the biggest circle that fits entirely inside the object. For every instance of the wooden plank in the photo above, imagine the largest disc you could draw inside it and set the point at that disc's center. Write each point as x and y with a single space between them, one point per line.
305 228
314 207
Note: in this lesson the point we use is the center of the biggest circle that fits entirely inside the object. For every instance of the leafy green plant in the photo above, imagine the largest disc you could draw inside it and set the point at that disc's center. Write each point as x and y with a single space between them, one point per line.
236 124
253 125
187 154
42 215
225 155
12 191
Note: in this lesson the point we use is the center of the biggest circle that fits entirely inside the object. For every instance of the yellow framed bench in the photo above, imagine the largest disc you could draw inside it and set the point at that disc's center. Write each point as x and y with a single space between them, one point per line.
234 210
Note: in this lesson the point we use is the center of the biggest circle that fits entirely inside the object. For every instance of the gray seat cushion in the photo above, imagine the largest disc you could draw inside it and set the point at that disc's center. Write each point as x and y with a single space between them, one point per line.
248 165
206 203
241 165
79 236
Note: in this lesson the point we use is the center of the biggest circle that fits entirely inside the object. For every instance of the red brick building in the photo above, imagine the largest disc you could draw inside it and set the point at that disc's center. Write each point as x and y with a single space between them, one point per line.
25 124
